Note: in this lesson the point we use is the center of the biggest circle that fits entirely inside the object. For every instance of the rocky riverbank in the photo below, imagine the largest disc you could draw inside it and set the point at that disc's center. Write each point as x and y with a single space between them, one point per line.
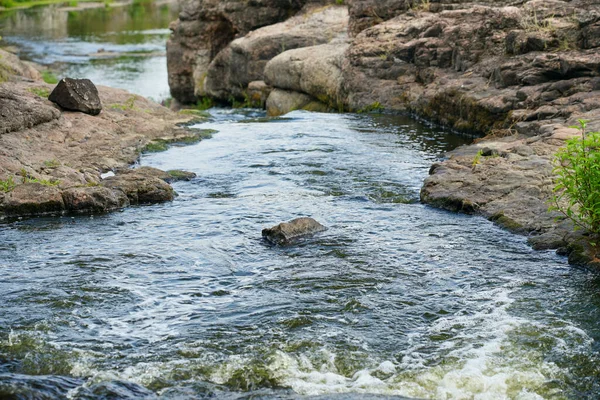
54 161
519 72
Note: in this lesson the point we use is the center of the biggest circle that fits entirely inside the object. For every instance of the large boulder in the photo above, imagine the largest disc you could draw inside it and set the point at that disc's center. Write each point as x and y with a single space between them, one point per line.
244 59
140 188
315 71
77 95
287 232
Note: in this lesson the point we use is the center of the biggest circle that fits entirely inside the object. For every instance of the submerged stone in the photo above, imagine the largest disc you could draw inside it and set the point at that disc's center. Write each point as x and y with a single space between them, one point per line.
77 95
287 232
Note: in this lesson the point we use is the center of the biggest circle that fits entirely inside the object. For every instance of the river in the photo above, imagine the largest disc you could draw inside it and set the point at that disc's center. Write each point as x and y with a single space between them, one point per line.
184 300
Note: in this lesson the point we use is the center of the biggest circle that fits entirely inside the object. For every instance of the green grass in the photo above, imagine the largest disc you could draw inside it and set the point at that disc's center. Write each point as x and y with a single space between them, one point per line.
52 163
198 113
7 185
42 92
197 135
204 103
128 105
477 159
49 77
155 146
28 179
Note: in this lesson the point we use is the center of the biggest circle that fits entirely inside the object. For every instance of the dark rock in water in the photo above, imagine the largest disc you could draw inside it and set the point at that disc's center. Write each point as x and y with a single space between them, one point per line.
77 95
176 175
140 189
173 175
286 232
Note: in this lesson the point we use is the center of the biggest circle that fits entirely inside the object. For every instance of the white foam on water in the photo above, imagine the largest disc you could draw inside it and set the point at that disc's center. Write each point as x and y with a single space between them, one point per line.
480 357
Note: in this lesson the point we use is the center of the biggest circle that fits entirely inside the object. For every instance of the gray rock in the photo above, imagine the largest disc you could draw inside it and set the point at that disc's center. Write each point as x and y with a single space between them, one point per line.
204 28
77 95
140 188
20 110
11 66
287 232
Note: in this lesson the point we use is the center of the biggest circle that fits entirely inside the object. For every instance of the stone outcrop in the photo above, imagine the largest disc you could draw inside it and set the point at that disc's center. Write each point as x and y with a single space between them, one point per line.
205 27
21 111
51 162
77 95
287 232
519 72
244 59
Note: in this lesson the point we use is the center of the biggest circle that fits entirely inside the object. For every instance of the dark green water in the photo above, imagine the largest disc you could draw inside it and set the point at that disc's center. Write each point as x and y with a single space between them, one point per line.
121 46
184 300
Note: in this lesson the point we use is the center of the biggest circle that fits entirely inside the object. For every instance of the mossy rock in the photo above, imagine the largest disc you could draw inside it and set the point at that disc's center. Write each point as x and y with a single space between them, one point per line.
155 146
180 175
507 223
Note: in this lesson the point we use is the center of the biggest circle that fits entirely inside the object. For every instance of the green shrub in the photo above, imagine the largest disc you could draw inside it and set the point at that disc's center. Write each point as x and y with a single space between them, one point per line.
7 3
577 184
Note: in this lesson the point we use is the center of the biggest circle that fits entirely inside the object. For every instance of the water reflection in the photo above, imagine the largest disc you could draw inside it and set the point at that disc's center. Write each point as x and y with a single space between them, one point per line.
121 46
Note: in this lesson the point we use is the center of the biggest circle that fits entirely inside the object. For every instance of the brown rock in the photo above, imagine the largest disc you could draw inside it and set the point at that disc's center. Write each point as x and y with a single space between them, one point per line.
94 199
140 189
33 199
315 71
11 67
244 59
23 110
287 232
284 101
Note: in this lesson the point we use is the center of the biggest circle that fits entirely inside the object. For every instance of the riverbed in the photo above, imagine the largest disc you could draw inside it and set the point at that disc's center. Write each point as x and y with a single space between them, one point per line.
185 300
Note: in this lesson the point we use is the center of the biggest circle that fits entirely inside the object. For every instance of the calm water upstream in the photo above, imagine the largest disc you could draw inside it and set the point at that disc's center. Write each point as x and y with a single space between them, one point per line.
121 46
184 300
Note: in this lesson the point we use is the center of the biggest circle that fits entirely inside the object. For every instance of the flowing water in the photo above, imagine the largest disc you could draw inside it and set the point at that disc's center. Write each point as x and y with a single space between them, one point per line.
184 300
